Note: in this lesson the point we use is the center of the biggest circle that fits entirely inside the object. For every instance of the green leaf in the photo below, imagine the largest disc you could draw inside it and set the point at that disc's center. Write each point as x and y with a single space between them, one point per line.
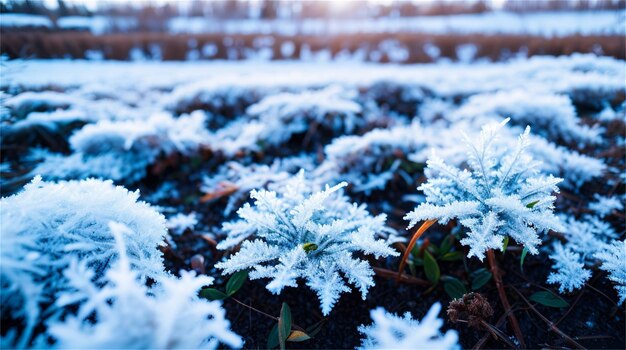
284 325
236 281
454 288
531 204
446 244
521 259
298 336
549 299
506 244
452 256
479 278
272 338
315 328
309 247
213 294
431 268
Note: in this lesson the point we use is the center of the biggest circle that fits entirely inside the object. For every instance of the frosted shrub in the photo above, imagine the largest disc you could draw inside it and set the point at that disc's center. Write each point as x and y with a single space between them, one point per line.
122 150
570 269
390 331
180 222
614 262
553 115
585 239
370 161
501 194
301 232
31 101
236 180
47 225
125 314
283 115
604 206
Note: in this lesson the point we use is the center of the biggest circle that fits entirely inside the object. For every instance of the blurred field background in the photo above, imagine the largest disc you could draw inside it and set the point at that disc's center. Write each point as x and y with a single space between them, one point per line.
374 31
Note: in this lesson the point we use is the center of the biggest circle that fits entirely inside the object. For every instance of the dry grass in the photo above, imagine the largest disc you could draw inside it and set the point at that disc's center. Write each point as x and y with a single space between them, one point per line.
45 44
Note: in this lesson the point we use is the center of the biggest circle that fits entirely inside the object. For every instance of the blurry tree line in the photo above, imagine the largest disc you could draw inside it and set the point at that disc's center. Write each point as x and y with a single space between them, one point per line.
292 9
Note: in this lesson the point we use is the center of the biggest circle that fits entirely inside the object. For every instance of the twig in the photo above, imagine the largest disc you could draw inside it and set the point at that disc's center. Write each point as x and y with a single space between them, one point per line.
550 324
265 314
384 273
484 339
495 271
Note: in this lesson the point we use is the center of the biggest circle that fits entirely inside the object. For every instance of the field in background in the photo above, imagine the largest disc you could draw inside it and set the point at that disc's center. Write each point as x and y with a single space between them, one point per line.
400 48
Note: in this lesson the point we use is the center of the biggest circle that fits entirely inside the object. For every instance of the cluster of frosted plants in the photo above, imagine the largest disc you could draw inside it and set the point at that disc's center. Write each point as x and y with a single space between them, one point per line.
370 161
301 231
552 115
236 180
277 118
58 253
69 282
122 150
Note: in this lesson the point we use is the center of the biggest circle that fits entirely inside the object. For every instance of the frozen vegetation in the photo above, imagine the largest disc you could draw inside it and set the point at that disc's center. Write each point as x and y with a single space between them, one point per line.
301 177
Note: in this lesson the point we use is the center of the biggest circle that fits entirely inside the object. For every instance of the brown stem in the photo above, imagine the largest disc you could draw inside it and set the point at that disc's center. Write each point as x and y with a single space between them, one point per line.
411 244
384 273
495 271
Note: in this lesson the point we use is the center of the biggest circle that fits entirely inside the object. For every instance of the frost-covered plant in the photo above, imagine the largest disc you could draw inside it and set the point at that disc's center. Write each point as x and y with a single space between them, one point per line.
614 262
121 150
390 331
31 101
570 269
370 161
332 107
575 168
181 222
500 195
47 225
125 314
585 238
236 180
302 232
604 206
551 114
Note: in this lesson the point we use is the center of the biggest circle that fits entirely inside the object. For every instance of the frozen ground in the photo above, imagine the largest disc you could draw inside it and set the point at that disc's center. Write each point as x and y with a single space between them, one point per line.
199 138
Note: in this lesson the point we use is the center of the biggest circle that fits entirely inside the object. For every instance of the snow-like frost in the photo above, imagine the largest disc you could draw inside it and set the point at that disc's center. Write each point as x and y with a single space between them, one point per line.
302 232
390 331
